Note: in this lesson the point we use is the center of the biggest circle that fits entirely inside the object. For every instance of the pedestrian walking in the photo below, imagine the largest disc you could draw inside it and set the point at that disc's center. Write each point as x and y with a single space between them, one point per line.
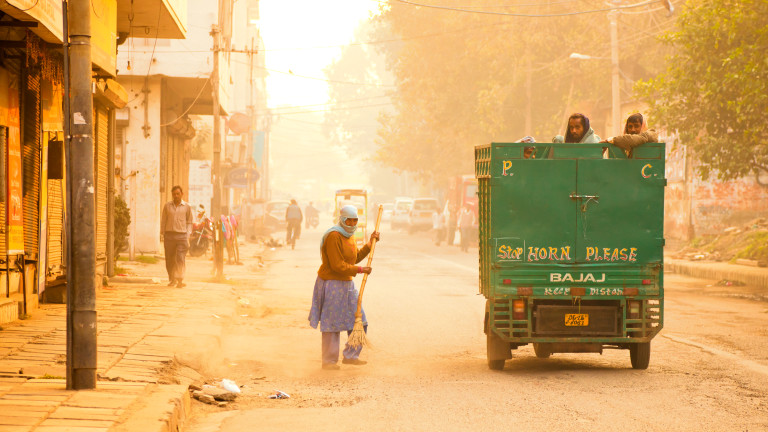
334 299
466 224
175 226
438 224
293 218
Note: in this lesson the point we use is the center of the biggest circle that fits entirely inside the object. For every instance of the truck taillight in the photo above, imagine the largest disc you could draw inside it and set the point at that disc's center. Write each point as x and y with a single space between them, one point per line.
634 309
630 291
518 310
647 282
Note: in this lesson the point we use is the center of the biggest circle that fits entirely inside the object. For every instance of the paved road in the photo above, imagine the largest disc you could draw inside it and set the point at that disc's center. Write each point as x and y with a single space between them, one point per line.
427 370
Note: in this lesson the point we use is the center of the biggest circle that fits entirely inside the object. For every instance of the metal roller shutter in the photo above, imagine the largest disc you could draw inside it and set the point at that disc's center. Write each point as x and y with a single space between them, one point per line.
3 149
31 164
55 225
100 174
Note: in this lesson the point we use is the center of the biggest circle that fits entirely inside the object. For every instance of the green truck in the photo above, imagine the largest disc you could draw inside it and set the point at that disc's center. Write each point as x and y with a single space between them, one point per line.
571 248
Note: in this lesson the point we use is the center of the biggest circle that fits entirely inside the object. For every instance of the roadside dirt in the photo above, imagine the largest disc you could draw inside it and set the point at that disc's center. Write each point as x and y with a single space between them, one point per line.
427 369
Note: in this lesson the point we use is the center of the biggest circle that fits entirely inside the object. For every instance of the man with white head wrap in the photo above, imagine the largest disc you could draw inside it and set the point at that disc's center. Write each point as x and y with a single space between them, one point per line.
334 300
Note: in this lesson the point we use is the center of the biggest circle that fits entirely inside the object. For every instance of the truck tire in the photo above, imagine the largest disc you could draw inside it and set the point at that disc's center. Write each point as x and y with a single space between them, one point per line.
498 351
541 350
640 355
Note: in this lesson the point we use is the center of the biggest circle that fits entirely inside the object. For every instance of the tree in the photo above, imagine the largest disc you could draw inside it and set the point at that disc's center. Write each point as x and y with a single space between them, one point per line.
465 79
714 91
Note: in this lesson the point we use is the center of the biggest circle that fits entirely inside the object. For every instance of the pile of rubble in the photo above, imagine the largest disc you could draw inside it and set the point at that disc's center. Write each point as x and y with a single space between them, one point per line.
746 245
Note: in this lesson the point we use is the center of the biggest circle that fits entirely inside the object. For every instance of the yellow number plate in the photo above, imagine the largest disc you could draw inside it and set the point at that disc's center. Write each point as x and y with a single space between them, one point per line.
576 320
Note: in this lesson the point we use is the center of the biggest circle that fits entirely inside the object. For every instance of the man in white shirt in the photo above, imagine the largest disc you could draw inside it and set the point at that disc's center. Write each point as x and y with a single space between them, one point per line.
175 227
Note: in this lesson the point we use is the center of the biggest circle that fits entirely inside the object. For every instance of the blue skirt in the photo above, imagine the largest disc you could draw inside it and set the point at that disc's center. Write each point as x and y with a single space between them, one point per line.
334 303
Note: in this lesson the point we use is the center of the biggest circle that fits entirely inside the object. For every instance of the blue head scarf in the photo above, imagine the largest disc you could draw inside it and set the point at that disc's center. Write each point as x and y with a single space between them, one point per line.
347 212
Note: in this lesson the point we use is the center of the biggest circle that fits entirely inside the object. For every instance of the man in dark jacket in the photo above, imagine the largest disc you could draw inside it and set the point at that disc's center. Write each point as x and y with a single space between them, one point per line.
636 133
293 217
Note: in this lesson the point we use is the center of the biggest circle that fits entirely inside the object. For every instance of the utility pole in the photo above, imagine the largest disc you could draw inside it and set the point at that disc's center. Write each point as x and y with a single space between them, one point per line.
81 286
613 16
252 116
218 250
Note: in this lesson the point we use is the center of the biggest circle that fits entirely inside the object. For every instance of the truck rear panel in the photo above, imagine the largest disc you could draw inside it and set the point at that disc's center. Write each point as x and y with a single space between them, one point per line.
571 242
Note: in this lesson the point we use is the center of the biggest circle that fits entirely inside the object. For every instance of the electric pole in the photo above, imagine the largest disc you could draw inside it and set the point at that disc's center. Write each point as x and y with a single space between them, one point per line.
81 286
252 117
613 15
218 250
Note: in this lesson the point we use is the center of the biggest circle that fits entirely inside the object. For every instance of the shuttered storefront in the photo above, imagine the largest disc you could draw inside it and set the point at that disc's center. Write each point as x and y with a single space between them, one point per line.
101 177
55 226
30 154
3 193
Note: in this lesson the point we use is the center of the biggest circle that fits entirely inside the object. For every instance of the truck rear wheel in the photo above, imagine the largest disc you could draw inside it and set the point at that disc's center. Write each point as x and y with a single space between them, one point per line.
640 355
541 350
498 351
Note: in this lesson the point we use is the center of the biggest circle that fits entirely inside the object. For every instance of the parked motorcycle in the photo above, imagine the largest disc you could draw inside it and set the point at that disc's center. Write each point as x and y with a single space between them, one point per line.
201 238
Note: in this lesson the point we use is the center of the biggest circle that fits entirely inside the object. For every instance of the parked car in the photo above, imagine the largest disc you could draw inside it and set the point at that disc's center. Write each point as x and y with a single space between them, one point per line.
274 214
420 216
386 214
400 213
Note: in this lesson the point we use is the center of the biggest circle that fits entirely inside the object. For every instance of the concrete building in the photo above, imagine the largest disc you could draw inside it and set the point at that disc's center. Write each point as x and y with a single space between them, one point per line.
168 81
33 236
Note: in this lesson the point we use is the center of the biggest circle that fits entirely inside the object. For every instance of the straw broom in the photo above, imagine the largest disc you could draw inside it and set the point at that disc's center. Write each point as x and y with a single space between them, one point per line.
357 337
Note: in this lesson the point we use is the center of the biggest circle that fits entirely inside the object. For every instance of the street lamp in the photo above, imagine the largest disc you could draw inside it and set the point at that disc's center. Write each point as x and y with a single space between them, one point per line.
615 96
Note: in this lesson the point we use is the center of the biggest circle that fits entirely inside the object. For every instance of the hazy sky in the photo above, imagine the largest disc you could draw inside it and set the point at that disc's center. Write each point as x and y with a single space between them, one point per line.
304 37
292 30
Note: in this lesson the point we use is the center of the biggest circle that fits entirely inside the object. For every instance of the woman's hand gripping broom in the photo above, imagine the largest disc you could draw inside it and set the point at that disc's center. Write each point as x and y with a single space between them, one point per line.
357 337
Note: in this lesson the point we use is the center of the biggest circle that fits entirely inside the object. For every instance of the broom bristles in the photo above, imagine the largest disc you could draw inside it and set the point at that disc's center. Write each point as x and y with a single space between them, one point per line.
357 337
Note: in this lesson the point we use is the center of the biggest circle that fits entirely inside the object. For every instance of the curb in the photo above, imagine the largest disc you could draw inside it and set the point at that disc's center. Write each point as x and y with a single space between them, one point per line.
134 279
162 408
753 276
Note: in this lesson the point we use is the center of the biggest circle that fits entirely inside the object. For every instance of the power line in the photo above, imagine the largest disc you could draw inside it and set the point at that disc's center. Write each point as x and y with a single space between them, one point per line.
330 103
525 15
320 79
329 109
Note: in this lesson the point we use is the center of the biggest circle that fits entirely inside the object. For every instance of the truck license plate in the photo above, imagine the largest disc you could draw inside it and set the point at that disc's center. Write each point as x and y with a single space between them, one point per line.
576 320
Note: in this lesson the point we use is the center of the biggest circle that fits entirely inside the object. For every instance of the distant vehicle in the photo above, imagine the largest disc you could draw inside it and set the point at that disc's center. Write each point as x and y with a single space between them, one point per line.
386 214
420 216
400 213
274 214
462 191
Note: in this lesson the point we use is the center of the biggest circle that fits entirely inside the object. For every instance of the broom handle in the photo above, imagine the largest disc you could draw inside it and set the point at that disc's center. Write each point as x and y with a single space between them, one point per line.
359 313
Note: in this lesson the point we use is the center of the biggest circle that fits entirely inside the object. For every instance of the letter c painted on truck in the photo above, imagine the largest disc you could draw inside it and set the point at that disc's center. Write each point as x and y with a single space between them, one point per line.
642 171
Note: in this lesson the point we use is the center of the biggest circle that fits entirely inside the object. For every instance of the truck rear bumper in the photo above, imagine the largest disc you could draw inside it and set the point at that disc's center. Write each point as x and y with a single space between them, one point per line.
547 320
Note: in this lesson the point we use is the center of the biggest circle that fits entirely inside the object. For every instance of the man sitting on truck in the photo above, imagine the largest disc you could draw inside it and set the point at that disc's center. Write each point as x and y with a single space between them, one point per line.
636 133
578 131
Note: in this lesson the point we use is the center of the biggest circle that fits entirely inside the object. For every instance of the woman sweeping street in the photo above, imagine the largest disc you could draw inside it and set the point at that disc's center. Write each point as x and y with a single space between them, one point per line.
334 300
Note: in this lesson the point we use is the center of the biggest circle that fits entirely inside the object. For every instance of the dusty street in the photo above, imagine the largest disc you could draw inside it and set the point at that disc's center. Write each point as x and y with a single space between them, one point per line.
427 369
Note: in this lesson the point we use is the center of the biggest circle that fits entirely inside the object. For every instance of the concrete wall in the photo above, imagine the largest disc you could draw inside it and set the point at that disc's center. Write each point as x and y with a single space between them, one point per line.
696 207
143 155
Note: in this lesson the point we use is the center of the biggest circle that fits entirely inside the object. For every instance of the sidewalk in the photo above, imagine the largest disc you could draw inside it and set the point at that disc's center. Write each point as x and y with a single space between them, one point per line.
756 277
143 329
